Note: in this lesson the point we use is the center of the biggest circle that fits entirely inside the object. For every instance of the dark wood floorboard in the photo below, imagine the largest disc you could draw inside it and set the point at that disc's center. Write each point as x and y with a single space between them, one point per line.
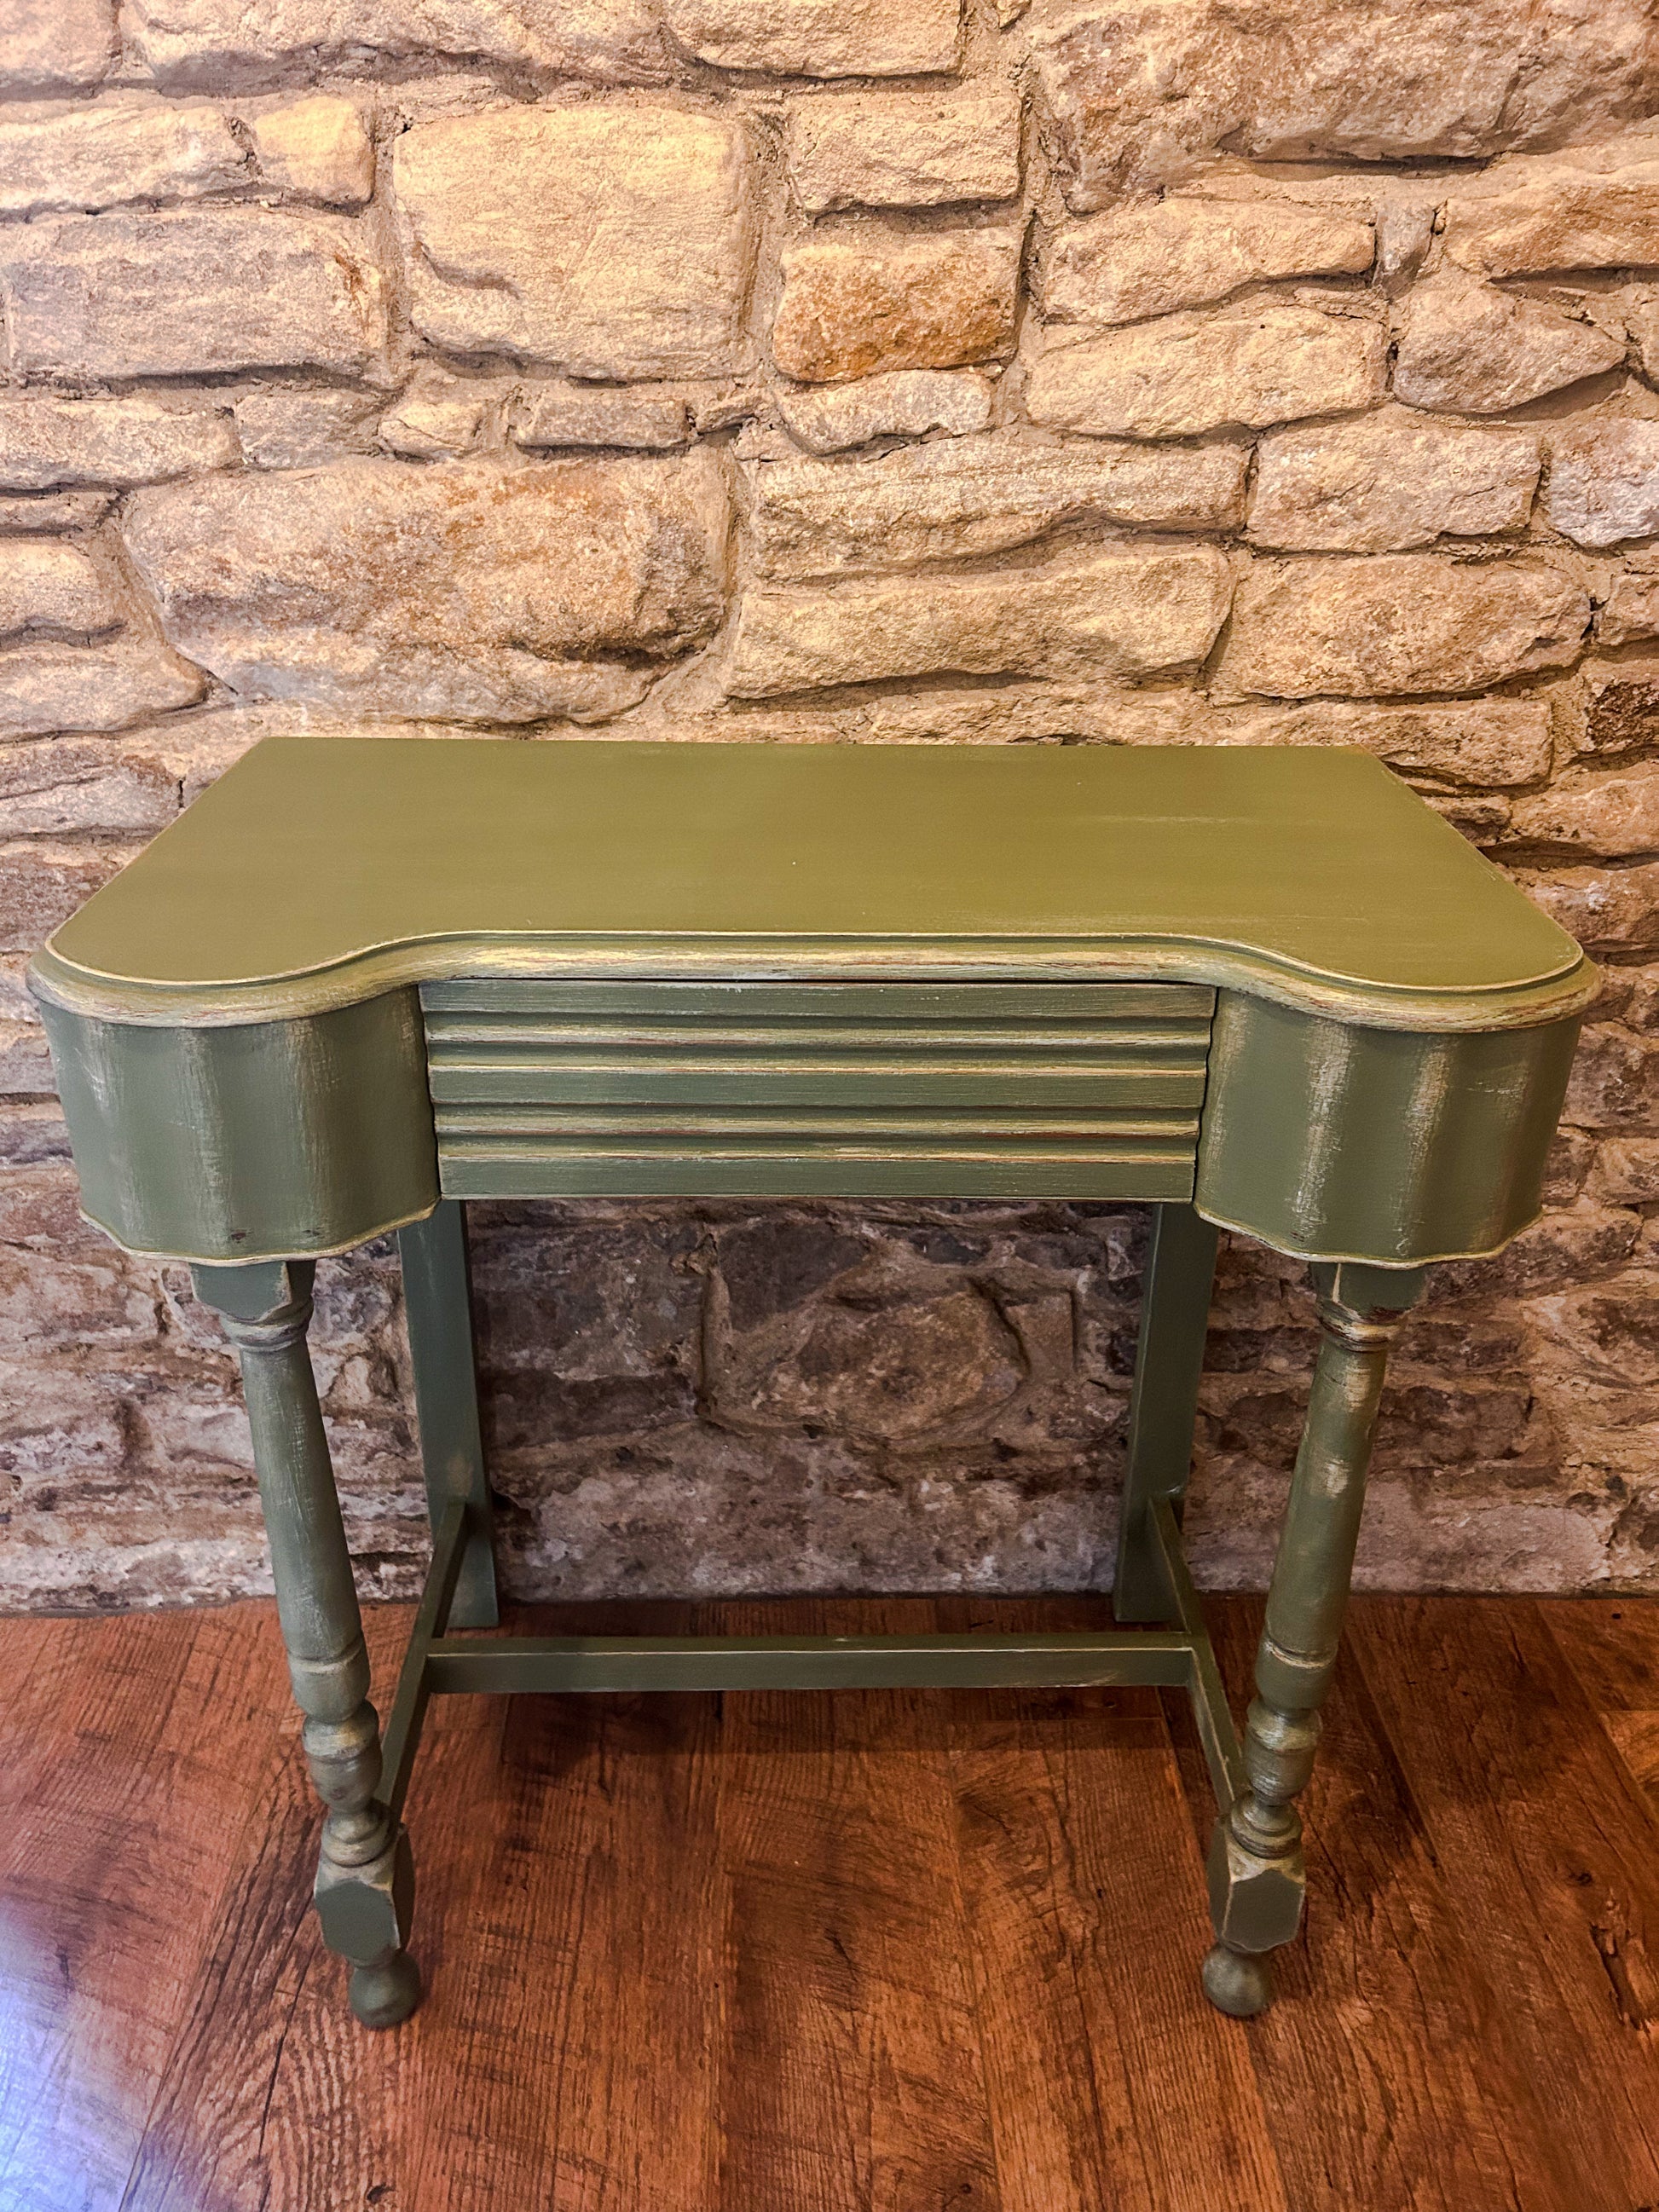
897 1953
132 1754
1550 1852
1612 1647
1389 2052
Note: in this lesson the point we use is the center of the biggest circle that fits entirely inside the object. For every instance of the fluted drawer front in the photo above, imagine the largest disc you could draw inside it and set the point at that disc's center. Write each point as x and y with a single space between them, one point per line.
1088 1090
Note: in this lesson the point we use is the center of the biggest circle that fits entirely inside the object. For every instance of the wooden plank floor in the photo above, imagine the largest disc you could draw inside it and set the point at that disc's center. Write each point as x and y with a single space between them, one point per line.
894 1953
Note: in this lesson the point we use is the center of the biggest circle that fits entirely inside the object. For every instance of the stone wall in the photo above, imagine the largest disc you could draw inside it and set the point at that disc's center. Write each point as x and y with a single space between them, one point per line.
1102 371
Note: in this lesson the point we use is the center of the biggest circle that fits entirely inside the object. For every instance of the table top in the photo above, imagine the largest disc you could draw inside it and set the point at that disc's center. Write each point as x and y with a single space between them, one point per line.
318 871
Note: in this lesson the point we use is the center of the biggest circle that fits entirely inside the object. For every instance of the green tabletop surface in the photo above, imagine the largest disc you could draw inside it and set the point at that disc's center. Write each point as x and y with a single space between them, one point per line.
321 869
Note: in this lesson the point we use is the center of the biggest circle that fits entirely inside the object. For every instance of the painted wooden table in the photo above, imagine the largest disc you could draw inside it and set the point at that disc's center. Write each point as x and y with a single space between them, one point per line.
362 980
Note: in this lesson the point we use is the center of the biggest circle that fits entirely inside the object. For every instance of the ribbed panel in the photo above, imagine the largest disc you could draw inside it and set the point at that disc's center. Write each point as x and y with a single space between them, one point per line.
964 1090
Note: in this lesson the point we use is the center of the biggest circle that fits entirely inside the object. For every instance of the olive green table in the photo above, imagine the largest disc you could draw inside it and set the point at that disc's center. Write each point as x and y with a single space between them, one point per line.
364 979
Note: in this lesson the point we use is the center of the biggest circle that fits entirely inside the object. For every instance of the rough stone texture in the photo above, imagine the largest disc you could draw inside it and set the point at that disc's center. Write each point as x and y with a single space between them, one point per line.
203 290
599 227
904 149
70 787
208 41
1142 90
1616 816
1403 621
1611 911
1631 610
45 441
1389 482
1184 375
1106 613
820 38
1476 351
1476 741
51 686
99 157
936 300
465 591
49 510
301 429
1604 481
444 416
646 418
1562 218
608 241
317 149
977 496
894 403
55 45
1150 256
50 587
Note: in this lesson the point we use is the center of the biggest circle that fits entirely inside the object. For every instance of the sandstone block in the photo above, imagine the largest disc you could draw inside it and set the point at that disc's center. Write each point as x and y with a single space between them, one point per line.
1389 481
904 149
645 417
301 429
928 300
977 496
53 686
1566 219
317 149
1475 741
1107 613
1606 909
55 45
99 157
1604 481
1184 375
444 416
1610 1330
1402 622
191 293
612 241
468 591
905 403
1627 1172
1615 817
1143 90
1473 349
821 38
49 510
1615 1080
203 41
41 884
51 587
1621 706
1632 607
46 441
70 786
1151 257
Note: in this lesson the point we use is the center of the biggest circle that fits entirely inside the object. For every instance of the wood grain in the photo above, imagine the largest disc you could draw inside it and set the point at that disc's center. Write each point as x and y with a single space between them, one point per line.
1389 2052
852 2080
123 1749
1551 1852
1112 2081
1613 1646
902 1952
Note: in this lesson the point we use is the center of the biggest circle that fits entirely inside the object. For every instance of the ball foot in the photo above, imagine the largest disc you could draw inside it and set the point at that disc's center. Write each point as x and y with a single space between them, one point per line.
383 1995
1237 1982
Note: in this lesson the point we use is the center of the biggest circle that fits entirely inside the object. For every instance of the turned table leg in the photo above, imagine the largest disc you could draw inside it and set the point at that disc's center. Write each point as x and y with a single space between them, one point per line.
365 1877
1256 1874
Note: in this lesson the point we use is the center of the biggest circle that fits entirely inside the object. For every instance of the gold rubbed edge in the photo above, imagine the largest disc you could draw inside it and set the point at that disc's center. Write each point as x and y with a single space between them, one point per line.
263 1259
366 974
1291 1248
